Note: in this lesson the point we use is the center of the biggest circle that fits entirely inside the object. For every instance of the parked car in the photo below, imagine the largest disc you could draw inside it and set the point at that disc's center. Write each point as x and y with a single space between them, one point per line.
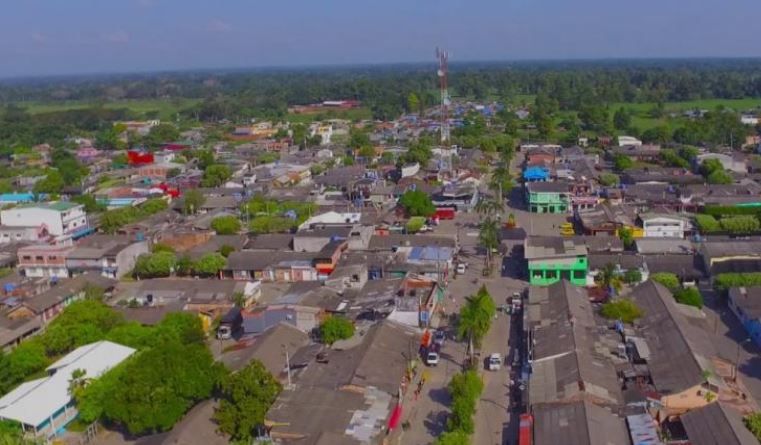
495 362
432 358
461 268
439 337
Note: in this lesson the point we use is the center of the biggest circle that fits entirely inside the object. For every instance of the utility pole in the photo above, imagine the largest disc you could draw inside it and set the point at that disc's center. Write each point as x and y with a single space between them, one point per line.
288 366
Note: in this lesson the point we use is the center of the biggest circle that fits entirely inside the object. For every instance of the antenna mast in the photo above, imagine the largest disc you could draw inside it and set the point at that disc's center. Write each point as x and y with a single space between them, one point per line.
443 57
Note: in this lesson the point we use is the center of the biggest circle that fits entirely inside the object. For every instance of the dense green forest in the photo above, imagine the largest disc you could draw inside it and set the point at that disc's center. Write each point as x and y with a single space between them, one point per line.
551 87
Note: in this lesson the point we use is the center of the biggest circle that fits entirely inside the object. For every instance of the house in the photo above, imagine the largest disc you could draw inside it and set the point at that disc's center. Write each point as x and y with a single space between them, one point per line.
666 336
62 221
44 260
731 256
461 196
624 141
45 406
314 240
639 153
578 423
159 171
656 225
110 256
551 259
348 398
548 197
728 161
416 301
717 423
48 304
745 303
540 154
269 349
282 266
565 349
326 259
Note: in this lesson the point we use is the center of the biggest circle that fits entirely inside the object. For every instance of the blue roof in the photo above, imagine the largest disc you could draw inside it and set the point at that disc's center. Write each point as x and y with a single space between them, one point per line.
536 173
431 253
17 197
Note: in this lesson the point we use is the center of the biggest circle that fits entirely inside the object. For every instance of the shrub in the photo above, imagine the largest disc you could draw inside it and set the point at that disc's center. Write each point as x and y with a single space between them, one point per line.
669 280
226 225
740 224
707 223
724 281
632 276
623 309
689 296
415 224
609 179
336 328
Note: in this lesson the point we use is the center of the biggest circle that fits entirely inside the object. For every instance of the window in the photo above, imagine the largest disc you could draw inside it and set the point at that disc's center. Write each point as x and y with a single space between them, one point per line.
38 258
565 275
26 257
533 209
551 274
579 274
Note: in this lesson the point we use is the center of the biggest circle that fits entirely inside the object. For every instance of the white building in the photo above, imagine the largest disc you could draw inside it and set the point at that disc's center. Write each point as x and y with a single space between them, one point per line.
749 119
61 221
624 141
325 131
44 406
332 218
410 170
664 226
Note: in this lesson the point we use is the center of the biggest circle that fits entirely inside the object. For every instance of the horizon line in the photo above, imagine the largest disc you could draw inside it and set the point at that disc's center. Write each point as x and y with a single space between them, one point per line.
354 65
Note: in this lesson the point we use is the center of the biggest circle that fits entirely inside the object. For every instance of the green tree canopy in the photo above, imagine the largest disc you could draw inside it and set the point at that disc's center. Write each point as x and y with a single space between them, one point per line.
245 398
668 280
192 200
689 296
335 328
226 225
417 203
621 309
476 316
215 175
210 264
622 162
159 264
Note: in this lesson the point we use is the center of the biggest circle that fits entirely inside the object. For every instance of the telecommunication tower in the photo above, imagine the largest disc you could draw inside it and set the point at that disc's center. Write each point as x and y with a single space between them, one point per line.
443 57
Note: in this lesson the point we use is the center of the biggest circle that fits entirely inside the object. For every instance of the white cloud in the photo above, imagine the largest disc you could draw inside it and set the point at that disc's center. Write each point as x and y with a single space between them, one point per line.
217 25
38 37
119 36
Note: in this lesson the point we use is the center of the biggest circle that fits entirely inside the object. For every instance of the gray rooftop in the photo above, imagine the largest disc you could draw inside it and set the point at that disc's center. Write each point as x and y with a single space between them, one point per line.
541 247
748 299
578 423
716 423
671 338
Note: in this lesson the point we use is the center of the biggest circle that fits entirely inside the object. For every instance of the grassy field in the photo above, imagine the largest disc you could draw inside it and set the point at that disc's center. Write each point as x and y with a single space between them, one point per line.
165 108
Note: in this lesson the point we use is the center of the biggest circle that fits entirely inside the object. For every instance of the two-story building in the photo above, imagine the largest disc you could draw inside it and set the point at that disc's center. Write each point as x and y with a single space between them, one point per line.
110 256
62 222
551 259
44 261
657 225
548 197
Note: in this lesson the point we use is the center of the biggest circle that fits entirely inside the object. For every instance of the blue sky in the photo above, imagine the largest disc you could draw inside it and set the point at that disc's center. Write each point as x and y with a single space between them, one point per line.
41 37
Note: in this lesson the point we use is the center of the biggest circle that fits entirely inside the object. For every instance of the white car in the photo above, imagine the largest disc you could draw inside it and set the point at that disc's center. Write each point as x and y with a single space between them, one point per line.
432 359
495 362
461 269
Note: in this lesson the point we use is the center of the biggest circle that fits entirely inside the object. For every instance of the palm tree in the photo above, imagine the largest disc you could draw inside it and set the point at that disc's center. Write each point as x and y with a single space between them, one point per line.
488 237
475 319
608 277
500 176
487 207
77 382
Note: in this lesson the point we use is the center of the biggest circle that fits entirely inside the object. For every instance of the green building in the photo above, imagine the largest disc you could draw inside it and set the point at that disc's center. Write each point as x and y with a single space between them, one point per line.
548 197
551 259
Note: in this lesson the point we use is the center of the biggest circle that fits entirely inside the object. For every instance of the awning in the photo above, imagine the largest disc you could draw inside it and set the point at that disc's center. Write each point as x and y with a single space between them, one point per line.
396 417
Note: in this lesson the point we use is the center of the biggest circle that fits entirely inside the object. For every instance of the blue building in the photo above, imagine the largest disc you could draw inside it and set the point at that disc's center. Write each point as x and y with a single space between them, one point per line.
745 302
